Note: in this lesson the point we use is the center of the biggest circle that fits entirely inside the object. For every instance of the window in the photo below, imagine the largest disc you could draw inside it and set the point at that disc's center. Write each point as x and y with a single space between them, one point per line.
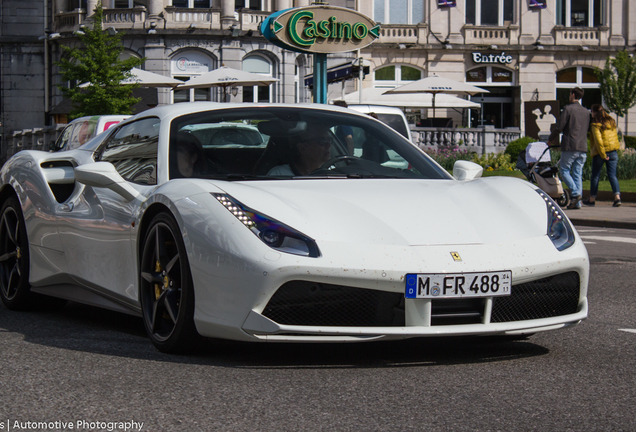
395 76
123 4
398 11
260 65
491 75
579 76
76 4
248 4
190 64
580 13
489 12
198 4
133 151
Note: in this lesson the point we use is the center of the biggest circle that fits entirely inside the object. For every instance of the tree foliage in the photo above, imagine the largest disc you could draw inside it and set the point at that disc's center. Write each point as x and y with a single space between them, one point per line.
618 83
97 63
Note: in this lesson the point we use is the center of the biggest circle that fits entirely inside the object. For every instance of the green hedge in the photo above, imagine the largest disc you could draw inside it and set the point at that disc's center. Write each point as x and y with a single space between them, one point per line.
630 142
517 146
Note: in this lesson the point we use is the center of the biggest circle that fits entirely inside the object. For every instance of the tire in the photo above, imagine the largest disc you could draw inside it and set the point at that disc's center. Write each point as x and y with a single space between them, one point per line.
165 288
564 200
14 257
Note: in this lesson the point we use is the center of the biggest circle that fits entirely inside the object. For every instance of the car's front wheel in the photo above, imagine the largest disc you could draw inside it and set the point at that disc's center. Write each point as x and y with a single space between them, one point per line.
166 292
14 257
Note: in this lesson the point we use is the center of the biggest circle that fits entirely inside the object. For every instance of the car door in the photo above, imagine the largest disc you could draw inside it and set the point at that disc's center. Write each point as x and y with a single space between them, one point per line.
97 231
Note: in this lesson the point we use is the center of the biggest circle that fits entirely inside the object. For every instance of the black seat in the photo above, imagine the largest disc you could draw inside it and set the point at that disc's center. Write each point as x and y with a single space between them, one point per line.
278 152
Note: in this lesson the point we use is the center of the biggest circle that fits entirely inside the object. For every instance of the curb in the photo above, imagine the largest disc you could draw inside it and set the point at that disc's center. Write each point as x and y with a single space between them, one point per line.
609 196
603 223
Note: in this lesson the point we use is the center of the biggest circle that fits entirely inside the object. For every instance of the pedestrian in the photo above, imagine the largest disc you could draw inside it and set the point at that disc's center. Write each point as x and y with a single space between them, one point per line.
604 144
573 123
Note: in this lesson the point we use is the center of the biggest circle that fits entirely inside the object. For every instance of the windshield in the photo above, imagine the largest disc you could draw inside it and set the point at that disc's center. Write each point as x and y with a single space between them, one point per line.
291 143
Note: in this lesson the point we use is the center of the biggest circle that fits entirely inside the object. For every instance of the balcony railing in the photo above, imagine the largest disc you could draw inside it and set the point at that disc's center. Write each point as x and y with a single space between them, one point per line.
403 33
69 21
593 36
485 35
251 20
181 18
125 18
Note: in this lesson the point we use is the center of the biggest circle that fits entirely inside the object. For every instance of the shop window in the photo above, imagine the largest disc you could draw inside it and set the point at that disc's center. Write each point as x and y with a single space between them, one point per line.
580 13
490 75
187 65
197 4
396 75
398 11
489 12
582 77
260 65
248 4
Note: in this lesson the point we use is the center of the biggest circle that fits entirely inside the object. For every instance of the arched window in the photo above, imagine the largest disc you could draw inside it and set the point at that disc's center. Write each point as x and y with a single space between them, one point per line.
189 64
261 65
490 75
578 76
395 76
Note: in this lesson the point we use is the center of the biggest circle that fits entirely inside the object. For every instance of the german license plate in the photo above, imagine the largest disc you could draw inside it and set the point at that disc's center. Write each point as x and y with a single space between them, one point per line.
453 285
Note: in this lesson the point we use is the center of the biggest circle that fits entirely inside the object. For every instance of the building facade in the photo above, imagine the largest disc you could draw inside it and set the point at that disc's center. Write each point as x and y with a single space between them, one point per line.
519 50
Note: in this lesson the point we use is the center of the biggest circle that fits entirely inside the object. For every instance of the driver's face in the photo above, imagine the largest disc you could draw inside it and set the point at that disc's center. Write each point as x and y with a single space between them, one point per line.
317 149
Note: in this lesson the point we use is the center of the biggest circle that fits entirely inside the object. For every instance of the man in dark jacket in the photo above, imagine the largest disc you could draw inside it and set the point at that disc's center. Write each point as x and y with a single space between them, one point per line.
573 123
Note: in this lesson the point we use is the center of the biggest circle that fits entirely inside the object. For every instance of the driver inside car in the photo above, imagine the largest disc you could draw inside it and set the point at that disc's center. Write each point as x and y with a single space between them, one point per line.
311 151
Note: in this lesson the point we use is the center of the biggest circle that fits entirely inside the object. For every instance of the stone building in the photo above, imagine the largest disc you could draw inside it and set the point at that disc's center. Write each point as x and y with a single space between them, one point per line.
520 50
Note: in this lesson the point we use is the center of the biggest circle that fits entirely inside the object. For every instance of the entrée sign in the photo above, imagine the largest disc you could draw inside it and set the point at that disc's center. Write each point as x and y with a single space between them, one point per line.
492 58
320 29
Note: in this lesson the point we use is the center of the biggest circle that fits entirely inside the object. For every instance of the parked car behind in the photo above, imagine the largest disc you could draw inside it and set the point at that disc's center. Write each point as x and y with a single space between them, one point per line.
391 116
82 129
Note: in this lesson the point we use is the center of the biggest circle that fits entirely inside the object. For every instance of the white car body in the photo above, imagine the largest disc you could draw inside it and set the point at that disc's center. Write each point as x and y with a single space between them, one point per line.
88 244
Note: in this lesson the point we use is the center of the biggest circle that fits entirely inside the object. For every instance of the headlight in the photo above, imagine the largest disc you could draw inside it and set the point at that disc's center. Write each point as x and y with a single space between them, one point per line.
559 229
273 233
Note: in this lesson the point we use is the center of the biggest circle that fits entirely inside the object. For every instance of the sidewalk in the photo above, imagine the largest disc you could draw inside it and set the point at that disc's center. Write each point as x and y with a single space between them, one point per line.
604 215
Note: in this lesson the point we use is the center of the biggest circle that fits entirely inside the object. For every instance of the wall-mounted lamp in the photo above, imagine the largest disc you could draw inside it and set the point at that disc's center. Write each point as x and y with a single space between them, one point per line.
153 24
402 46
235 31
192 26
585 48
112 31
234 91
79 33
152 31
539 47
493 47
54 35
448 46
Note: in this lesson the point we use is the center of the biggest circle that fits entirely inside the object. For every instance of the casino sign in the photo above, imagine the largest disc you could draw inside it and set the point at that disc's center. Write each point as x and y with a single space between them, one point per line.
320 29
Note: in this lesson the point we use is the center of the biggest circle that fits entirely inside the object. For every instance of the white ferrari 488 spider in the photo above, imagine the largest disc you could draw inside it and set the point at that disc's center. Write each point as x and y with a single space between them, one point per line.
284 223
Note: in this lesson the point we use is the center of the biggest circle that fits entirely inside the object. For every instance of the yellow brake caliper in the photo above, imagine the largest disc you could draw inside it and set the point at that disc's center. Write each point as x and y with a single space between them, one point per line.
157 286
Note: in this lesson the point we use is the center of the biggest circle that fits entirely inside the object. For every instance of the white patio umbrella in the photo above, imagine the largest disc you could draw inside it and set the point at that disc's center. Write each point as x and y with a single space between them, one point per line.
146 79
150 79
378 96
227 77
435 85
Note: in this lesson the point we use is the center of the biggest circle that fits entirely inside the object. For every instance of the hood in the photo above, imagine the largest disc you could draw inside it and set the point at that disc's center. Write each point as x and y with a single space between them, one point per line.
400 212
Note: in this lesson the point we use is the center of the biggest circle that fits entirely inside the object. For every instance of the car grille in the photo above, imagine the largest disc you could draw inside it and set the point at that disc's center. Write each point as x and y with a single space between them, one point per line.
312 304
549 297
305 303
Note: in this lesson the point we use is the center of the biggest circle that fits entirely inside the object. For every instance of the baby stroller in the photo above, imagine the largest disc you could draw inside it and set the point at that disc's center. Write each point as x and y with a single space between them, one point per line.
536 164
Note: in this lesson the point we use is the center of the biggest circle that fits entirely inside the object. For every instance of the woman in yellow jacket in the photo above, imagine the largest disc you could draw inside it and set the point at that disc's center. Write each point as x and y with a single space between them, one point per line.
604 143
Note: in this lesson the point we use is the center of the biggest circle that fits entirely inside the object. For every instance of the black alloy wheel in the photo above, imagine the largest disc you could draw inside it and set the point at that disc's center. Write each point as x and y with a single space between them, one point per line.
166 292
14 257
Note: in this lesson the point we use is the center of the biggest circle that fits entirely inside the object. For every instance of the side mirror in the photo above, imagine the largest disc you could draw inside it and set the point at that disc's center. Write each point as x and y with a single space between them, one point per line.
104 175
466 170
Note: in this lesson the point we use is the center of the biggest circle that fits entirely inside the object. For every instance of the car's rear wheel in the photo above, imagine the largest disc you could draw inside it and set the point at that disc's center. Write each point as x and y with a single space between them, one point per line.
166 291
14 257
